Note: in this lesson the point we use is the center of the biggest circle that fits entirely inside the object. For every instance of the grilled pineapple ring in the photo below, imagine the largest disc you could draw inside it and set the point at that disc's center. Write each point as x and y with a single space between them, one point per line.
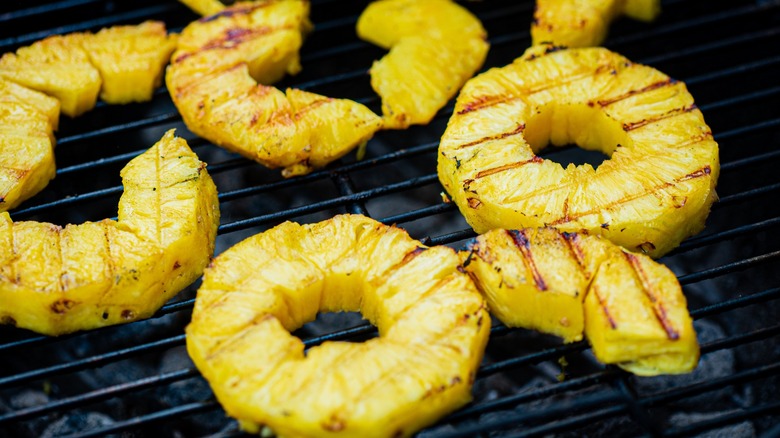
654 191
215 80
432 324
631 309
56 280
578 23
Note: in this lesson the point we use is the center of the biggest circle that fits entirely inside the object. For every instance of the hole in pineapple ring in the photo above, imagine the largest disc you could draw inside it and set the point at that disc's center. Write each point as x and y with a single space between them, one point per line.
328 322
595 134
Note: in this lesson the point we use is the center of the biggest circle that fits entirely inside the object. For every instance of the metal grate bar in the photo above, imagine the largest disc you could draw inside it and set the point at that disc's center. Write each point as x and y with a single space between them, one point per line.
121 127
714 238
99 395
45 9
746 195
728 268
753 37
746 414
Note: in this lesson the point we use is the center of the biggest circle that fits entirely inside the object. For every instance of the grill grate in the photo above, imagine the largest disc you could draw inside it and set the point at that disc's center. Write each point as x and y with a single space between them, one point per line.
728 53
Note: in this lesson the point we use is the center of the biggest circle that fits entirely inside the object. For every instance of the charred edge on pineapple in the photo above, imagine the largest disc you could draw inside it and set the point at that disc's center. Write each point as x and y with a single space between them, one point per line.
671 113
519 129
488 172
522 243
604 307
486 102
651 87
8 320
474 203
62 306
412 254
571 240
647 289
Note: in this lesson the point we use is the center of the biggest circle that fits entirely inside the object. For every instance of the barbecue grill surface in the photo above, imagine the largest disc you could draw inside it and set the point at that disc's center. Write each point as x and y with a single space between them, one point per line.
136 379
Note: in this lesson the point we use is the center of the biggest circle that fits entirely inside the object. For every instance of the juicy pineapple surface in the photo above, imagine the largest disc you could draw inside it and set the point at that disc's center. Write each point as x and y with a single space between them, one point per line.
631 309
655 190
204 7
213 80
432 322
56 280
27 121
130 60
435 46
584 23
123 64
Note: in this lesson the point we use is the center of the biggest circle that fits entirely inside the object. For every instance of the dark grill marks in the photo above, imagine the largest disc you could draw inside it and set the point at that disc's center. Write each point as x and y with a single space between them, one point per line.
485 102
647 289
704 171
595 290
654 86
235 10
518 130
488 172
520 240
671 113
571 240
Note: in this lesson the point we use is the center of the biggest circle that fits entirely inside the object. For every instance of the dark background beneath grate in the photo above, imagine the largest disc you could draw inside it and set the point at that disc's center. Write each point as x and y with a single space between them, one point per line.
135 380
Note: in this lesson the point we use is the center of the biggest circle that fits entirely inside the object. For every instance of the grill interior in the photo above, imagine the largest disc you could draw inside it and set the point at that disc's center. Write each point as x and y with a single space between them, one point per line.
135 380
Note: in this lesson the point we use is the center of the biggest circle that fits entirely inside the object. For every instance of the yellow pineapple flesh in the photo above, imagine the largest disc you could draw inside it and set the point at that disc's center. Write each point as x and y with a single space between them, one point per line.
584 23
57 66
630 308
655 190
204 7
213 80
56 280
432 325
435 46
130 60
26 146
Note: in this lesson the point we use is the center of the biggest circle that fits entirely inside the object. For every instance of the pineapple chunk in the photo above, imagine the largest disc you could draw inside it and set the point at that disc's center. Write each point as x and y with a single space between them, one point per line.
47 105
56 280
130 60
654 191
636 317
27 145
58 66
204 7
584 23
435 46
213 80
432 323
629 307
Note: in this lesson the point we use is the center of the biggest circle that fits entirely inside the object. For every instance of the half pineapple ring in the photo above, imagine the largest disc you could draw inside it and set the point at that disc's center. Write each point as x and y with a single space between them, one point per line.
655 190
213 80
56 280
433 327
435 47
631 309
584 23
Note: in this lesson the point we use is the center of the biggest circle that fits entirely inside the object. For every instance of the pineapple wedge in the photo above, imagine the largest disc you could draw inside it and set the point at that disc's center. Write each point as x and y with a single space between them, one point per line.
435 46
26 142
58 66
432 322
204 7
584 23
130 60
122 64
213 80
631 309
655 190
56 280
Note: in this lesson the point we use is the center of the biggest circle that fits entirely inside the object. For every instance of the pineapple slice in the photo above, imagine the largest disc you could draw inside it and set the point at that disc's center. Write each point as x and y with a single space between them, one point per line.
654 191
58 66
432 324
204 7
631 309
584 23
123 64
213 80
435 47
56 280
27 144
47 105
130 60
